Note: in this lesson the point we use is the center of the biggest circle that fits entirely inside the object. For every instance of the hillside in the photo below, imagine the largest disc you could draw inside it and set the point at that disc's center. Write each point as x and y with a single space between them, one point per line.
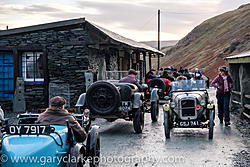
208 44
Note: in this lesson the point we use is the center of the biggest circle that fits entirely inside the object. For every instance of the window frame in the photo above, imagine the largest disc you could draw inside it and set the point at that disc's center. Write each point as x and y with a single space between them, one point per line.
24 66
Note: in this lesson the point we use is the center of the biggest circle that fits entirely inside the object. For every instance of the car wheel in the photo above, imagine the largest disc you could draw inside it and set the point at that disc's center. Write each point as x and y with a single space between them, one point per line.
211 124
154 111
93 149
157 82
166 125
138 121
103 98
125 92
73 153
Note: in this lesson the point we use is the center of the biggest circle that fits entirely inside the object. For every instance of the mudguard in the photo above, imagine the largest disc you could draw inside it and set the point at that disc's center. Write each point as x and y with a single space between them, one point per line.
154 95
81 100
167 108
137 100
91 140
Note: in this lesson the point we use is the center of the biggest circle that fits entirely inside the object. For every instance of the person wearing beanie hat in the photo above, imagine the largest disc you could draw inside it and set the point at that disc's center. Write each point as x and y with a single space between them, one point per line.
197 74
224 83
57 115
131 79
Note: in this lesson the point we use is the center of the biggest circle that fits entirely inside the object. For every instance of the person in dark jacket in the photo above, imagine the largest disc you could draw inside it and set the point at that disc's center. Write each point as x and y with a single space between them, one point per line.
181 70
131 79
167 76
224 83
151 74
187 74
57 115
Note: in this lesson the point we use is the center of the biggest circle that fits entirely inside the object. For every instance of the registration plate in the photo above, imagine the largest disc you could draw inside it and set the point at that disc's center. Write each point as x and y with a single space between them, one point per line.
189 124
27 129
125 106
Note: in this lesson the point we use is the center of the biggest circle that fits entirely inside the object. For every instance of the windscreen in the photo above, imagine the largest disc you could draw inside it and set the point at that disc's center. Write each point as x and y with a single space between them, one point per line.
188 85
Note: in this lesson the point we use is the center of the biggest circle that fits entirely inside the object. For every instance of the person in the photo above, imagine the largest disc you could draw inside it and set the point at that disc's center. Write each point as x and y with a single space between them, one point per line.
167 76
175 74
197 74
131 79
187 74
161 71
180 83
224 83
57 115
151 74
181 71
181 77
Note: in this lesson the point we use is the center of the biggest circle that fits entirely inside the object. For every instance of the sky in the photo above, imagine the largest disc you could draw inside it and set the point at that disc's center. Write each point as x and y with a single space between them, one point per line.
134 19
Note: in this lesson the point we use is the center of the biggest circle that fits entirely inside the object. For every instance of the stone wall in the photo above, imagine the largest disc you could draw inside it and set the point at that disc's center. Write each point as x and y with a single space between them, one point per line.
67 60
34 96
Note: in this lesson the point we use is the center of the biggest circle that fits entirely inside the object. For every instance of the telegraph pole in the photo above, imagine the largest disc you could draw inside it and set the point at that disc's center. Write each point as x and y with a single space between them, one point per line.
159 47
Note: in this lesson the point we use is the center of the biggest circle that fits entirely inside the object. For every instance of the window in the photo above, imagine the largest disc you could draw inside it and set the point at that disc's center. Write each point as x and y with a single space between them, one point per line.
32 68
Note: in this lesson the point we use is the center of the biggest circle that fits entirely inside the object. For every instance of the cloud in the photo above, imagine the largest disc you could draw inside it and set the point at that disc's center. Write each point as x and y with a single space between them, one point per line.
143 16
26 10
135 19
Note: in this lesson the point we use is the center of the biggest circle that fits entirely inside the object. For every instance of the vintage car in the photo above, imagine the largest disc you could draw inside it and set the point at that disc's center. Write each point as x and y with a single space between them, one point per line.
162 85
113 100
29 144
188 107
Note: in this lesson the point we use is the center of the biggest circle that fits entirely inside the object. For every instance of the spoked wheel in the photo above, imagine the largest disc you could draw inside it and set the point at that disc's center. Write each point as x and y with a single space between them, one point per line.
211 124
154 111
138 121
166 125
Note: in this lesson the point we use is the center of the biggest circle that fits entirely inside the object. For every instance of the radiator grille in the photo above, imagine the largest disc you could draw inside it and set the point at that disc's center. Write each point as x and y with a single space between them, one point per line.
188 107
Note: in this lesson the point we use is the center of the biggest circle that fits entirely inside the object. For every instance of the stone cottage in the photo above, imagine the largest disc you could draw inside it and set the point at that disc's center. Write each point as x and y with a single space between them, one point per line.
239 66
52 59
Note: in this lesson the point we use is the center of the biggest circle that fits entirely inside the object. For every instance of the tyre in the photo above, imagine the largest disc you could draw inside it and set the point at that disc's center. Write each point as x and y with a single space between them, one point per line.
103 98
211 124
154 111
73 153
156 82
93 149
166 125
138 121
125 92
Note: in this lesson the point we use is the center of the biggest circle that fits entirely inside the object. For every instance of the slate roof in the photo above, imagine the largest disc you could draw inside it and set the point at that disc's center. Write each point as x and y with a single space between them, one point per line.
52 25
241 55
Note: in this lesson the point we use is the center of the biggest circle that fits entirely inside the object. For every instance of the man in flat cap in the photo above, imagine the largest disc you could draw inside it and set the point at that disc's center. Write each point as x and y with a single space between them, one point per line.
131 79
57 115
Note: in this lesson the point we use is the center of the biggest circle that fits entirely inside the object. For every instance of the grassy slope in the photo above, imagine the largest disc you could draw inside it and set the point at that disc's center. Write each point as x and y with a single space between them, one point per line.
207 44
